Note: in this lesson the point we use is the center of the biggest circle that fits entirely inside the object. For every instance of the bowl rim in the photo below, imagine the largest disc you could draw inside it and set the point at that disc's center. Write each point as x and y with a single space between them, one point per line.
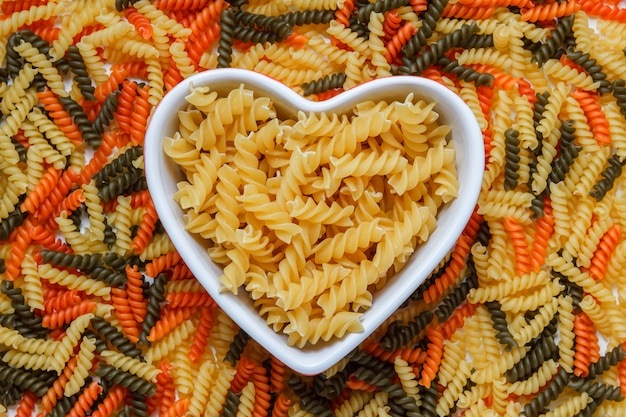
312 359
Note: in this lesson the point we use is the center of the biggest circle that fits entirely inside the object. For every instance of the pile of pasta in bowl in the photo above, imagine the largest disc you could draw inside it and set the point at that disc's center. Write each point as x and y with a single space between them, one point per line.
301 212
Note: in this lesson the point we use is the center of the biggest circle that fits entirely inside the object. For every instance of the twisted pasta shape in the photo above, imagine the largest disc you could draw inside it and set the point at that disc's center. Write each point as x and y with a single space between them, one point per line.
178 408
355 284
354 69
74 281
168 320
487 56
376 406
52 132
609 59
336 325
545 228
44 150
181 59
356 401
399 38
61 118
134 292
533 300
537 380
599 317
606 247
609 408
246 400
160 20
551 11
552 109
581 278
408 378
122 224
376 46
125 100
523 334
332 52
159 350
469 94
182 372
597 120
189 299
43 65
591 66
127 364
61 301
32 288
454 353
602 10
520 245
320 213
586 344
569 151
310 286
86 399
326 84
243 373
155 80
590 245
616 127
41 190
94 210
434 354
350 241
67 315
17 90
292 77
564 73
124 314
454 388
83 365
348 37
219 389
596 389
136 385
367 164
572 406
26 405
501 364
579 229
201 391
422 168
548 49
269 212
31 361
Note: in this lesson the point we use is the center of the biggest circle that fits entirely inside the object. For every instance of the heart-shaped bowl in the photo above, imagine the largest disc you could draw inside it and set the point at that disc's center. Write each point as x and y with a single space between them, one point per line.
163 175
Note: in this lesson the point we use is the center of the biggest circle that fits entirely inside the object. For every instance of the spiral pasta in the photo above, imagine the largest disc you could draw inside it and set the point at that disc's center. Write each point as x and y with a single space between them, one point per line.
131 365
83 365
543 249
277 219
74 281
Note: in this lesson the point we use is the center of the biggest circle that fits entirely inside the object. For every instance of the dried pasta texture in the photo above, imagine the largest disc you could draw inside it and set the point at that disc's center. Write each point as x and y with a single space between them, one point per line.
319 238
311 214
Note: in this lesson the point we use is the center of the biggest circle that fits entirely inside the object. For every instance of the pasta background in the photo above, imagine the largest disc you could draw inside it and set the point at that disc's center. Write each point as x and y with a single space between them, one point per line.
100 316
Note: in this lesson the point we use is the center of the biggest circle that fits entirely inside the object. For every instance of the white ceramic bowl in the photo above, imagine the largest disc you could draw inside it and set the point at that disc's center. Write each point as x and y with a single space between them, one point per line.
162 175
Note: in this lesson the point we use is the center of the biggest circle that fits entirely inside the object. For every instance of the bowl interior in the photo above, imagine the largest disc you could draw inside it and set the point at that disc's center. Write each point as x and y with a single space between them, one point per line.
163 174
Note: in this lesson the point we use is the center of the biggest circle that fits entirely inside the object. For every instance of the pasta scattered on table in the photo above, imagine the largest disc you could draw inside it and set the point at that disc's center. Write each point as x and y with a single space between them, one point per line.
100 316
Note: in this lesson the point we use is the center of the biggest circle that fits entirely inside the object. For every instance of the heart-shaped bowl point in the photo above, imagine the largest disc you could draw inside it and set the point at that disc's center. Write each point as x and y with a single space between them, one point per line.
164 175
